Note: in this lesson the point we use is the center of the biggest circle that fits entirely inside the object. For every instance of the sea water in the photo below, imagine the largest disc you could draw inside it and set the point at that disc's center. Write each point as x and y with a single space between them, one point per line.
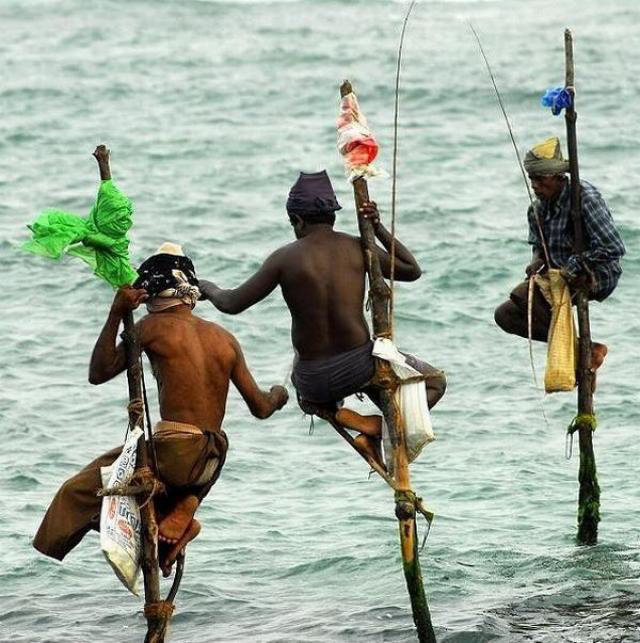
210 110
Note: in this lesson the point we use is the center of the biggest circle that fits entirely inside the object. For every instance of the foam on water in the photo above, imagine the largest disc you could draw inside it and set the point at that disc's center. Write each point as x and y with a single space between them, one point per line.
211 109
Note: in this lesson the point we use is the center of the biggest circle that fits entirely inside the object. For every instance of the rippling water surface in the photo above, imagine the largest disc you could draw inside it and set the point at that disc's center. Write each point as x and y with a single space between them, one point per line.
211 109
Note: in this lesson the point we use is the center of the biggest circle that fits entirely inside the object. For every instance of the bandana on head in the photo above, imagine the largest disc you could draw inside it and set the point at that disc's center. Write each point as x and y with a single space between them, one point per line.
169 278
546 159
312 194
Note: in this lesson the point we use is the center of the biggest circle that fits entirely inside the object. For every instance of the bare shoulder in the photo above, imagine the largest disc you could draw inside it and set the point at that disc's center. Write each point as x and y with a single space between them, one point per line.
348 238
145 326
216 336
349 245
214 329
279 257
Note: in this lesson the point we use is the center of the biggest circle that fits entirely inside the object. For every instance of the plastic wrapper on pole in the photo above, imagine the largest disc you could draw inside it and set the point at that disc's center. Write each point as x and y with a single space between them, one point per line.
120 526
557 99
411 398
99 239
356 143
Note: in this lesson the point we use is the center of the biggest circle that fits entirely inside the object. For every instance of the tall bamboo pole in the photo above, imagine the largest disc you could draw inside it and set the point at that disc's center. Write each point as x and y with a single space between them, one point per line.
589 495
387 382
157 612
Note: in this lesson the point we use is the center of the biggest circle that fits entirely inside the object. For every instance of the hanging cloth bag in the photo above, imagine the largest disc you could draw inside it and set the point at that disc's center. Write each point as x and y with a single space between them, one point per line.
560 374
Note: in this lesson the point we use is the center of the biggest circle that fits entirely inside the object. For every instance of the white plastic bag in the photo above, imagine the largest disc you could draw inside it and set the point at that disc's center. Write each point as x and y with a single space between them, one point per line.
120 529
412 400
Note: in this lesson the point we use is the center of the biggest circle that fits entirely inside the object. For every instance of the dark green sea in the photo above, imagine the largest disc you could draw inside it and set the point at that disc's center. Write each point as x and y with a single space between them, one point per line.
210 110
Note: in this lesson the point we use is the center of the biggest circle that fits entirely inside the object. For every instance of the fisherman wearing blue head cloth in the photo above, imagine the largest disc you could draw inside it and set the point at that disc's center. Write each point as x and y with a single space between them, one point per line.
322 278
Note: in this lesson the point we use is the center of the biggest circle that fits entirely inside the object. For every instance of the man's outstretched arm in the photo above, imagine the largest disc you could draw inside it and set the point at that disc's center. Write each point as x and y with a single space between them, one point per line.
260 403
406 267
107 359
255 289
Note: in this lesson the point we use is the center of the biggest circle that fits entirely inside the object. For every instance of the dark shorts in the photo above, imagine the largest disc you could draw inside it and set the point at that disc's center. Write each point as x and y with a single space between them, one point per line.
329 380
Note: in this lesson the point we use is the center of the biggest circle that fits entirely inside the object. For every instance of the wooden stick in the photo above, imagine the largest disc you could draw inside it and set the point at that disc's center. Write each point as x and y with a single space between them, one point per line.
386 381
126 490
381 471
156 610
589 495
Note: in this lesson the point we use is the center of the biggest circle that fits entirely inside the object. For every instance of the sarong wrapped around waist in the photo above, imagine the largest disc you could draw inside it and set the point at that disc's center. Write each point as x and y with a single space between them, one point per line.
333 378
189 461
187 455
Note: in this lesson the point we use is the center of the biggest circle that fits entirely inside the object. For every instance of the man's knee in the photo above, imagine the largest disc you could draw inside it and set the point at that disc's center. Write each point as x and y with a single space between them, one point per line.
436 385
440 384
504 316
314 408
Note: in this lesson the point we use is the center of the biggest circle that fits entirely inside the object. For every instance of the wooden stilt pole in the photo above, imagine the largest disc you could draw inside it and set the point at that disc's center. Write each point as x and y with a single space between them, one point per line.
387 382
157 612
589 495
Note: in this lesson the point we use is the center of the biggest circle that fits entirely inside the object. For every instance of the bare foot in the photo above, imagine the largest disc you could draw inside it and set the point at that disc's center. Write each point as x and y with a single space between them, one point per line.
172 527
371 447
368 424
169 558
598 353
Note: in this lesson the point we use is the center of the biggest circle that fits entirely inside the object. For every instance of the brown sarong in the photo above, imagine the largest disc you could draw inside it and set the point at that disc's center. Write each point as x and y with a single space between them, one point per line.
189 461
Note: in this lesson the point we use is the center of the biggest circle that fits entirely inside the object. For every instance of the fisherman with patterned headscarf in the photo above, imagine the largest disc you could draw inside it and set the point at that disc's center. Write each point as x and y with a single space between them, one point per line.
169 279
550 224
194 361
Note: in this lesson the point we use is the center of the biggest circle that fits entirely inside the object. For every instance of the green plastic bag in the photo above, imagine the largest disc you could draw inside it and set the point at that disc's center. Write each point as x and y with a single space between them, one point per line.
100 239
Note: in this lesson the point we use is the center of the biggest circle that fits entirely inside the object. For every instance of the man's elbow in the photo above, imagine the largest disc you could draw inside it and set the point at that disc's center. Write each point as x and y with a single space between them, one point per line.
411 273
228 308
226 304
262 412
100 374
96 378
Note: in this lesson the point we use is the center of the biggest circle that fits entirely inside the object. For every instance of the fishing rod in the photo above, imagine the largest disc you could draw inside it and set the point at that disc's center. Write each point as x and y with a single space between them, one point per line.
515 145
534 209
395 161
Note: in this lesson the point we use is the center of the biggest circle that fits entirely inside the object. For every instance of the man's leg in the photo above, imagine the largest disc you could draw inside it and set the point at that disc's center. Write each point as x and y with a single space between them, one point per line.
174 517
435 380
74 510
368 440
193 463
512 315
168 553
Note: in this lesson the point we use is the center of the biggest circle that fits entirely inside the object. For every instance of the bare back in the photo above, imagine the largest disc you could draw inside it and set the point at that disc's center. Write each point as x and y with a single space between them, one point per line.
322 277
192 361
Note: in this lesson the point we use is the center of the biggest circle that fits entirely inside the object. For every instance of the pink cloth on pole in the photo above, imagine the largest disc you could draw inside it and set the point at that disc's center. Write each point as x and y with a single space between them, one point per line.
356 143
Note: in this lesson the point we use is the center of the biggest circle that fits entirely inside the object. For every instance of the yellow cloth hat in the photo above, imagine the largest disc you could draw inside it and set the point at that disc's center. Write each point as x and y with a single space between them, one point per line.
546 158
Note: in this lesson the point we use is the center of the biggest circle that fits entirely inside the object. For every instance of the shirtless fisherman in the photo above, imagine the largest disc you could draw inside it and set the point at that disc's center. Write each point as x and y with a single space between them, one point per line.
322 277
193 361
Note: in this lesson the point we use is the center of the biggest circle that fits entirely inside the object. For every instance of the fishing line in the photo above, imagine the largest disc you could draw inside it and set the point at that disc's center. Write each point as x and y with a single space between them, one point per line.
533 207
395 160
515 145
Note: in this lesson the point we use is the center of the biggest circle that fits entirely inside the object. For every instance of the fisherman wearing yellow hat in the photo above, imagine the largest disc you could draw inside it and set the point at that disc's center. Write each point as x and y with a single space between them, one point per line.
550 225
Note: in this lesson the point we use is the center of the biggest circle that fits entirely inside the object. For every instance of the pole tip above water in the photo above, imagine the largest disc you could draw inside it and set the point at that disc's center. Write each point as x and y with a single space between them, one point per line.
345 88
